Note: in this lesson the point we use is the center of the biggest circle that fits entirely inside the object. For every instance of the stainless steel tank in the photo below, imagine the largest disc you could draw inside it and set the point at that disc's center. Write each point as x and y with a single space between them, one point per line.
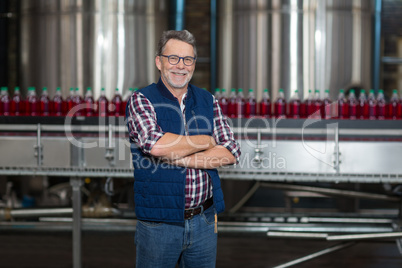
90 43
295 44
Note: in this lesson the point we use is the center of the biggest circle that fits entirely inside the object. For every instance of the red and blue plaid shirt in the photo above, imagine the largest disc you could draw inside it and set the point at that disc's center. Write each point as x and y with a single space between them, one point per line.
145 132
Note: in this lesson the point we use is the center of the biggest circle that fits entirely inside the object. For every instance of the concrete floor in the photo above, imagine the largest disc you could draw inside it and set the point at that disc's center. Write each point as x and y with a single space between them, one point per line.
101 249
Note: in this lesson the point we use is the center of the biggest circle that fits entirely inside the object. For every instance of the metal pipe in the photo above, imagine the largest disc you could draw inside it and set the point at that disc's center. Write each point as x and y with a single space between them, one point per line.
28 213
213 44
90 212
76 184
38 147
377 46
316 255
337 153
327 191
364 236
297 235
177 16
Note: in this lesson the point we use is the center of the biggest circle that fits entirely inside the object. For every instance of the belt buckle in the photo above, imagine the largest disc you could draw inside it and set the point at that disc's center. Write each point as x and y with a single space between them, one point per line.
191 214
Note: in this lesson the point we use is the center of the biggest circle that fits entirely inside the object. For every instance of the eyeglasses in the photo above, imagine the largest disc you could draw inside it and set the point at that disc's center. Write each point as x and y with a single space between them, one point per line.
174 59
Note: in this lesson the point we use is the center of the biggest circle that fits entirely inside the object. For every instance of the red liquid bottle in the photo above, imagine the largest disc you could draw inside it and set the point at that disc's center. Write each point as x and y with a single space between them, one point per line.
240 103
217 94
127 97
17 103
232 107
362 105
77 101
5 102
342 105
89 103
294 105
372 105
115 107
317 104
265 104
44 103
308 105
394 106
70 102
352 103
381 105
58 105
326 107
280 105
223 102
250 105
32 103
103 104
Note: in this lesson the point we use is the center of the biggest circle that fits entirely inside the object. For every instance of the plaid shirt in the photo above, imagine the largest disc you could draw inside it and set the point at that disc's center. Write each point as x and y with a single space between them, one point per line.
145 132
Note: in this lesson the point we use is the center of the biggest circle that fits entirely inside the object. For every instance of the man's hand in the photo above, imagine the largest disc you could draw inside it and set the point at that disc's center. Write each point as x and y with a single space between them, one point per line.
172 146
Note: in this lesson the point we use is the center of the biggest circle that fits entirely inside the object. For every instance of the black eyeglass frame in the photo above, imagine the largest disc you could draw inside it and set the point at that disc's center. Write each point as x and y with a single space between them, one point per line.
180 58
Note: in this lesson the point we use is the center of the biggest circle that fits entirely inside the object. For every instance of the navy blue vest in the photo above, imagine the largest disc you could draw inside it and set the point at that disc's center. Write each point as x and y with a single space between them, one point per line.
159 188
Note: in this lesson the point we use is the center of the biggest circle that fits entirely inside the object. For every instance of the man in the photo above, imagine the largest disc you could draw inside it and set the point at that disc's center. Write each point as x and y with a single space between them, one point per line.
179 137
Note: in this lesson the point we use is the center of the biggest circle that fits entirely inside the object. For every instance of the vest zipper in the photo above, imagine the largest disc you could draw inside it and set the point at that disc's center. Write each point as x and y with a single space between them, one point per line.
196 123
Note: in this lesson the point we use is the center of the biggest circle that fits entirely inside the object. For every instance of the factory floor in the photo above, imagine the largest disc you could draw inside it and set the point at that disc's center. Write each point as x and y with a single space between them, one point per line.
109 250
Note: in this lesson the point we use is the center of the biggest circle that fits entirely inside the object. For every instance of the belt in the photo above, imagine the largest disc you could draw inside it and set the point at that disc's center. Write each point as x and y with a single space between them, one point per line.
189 213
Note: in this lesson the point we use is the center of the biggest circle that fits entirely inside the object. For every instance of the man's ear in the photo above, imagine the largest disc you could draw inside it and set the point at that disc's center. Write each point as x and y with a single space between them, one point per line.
158 62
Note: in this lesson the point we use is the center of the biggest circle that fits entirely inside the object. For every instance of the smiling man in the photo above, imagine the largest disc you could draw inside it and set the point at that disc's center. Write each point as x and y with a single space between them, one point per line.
178 137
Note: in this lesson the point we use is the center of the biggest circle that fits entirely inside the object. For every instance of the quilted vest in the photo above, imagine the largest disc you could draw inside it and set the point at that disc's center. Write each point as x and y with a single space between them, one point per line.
159 188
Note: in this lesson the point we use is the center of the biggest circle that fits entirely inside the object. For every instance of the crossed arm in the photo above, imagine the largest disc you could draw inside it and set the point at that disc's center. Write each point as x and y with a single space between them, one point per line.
199 151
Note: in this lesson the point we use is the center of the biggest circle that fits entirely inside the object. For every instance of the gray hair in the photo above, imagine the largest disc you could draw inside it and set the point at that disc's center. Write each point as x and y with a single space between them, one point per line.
184 36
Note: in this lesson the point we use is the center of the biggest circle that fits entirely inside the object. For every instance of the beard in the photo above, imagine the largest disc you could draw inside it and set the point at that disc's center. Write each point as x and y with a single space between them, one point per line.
174 84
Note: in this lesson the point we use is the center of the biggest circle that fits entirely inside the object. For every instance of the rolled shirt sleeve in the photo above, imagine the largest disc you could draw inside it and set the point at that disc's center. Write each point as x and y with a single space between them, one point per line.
142 123
223 134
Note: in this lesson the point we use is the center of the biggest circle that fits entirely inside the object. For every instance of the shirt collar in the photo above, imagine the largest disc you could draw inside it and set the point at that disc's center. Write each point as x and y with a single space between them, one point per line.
167 94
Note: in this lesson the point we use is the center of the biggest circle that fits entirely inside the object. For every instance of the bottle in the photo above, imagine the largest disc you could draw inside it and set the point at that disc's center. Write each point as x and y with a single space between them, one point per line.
308 105
58 105
265 104
250 105
381 105
362 105
217 94
89 103
44 103
232 108
394 106
126 97
5 102
116 108
240 103
17 103
317 104
352 103
103 104
32 103
70 101
326 107
280 105
343 106
77 100
372 105
294 105
223 102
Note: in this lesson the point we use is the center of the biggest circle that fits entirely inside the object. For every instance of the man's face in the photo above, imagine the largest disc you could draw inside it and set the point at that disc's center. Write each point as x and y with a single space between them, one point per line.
175 76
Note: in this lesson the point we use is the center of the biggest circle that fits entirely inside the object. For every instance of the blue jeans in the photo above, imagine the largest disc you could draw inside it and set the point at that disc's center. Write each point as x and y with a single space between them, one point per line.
191 243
